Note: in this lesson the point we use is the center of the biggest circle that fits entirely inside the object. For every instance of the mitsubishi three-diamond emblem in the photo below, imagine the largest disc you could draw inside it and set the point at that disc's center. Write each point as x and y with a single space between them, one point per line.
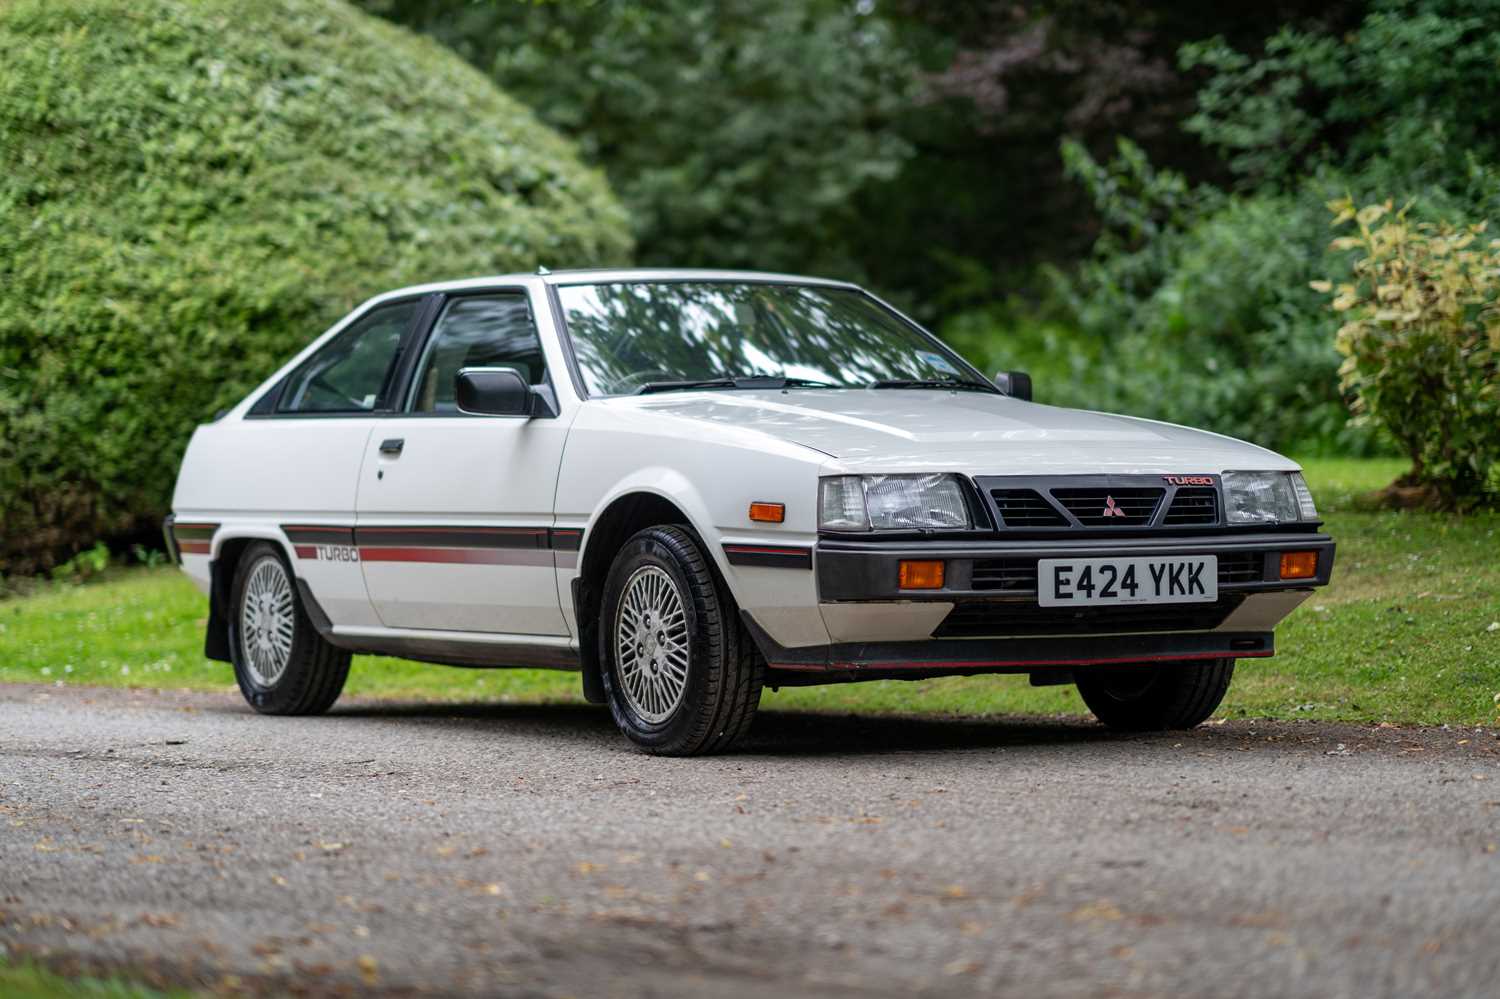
1110 510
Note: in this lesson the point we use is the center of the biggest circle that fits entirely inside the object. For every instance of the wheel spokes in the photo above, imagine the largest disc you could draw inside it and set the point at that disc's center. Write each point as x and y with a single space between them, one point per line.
651 643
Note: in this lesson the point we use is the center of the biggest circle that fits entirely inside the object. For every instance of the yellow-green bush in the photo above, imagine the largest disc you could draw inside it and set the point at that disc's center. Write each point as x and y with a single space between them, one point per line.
192 189
1421 341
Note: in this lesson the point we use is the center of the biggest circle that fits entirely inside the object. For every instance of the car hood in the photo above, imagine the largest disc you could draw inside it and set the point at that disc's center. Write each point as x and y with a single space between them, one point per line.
974 432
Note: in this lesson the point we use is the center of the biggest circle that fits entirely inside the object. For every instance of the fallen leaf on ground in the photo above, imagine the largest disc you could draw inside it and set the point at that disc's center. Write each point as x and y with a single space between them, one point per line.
1102 910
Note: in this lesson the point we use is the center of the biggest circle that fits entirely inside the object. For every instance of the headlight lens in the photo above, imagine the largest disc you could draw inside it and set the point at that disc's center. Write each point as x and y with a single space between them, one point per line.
1267 498
932 502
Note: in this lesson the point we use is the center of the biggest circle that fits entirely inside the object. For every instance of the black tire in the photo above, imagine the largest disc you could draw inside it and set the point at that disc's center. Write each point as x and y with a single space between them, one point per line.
314 671
724 669
1155 698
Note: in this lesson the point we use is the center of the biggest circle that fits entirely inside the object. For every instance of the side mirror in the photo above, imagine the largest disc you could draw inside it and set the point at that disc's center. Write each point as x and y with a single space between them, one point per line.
1016 384
492 392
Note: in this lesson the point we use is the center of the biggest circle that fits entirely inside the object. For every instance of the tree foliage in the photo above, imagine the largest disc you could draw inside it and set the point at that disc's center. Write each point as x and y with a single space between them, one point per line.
1408 94
1196 295
738 132
189 192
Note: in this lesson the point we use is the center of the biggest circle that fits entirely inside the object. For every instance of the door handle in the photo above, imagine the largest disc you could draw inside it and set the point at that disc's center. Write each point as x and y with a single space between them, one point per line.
392 445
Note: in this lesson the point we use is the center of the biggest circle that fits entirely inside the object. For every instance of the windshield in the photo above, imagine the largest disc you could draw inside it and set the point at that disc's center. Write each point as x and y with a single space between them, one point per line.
632 337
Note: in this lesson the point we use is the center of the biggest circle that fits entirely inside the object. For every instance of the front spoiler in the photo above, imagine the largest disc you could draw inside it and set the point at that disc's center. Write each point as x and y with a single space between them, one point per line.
940 656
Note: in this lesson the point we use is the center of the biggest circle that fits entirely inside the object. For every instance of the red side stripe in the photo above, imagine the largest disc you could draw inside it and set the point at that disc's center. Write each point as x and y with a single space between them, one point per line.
462 556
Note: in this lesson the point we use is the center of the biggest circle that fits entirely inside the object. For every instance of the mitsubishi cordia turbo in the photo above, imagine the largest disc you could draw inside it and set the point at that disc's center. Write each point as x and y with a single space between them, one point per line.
687 485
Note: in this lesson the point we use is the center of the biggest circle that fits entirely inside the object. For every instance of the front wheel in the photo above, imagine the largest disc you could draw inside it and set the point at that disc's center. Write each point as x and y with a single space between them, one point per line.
1154 698
681 674
283 666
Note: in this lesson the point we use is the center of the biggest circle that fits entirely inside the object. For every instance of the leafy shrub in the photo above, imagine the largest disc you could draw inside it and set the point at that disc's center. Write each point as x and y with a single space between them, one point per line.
190 191
87 563
1198 308
1422 345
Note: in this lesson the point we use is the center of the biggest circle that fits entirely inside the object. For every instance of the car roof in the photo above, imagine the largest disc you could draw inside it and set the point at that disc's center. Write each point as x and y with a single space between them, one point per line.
603 275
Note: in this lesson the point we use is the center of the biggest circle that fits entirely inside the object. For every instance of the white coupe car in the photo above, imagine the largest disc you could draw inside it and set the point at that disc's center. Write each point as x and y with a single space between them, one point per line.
686 485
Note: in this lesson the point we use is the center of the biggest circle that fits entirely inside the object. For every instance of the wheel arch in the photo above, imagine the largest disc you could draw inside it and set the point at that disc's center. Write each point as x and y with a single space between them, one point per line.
624 515
229 548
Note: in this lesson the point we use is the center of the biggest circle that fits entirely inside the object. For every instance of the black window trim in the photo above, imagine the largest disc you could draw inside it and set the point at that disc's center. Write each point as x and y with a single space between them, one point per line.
407 376
565 335
264 407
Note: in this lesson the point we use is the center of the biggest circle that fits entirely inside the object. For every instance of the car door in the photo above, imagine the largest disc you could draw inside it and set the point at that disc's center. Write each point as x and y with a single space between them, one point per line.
454 512
296 457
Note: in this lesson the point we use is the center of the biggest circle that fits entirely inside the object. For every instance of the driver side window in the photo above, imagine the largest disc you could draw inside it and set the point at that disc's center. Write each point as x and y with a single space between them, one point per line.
476 331
352 373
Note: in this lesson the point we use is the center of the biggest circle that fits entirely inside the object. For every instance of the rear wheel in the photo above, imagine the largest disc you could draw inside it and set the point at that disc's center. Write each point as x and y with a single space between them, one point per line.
1153 698
681 674
283 666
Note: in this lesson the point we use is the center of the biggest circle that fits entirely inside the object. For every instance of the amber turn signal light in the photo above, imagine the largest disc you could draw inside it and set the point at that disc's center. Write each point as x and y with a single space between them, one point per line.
768 513
1299 565
921 575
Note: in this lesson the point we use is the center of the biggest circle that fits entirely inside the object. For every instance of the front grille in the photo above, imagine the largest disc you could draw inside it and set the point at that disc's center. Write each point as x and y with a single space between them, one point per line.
1018 575
1242 567
1025 508
1005 574
1102 504
977 619
1196 506
1130 507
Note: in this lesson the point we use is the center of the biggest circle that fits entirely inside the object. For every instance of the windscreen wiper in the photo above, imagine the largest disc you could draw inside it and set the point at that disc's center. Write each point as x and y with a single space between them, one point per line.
937 383
743 382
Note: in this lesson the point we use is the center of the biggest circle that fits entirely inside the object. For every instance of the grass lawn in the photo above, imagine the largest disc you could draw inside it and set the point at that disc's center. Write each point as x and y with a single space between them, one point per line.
28 981
1402 635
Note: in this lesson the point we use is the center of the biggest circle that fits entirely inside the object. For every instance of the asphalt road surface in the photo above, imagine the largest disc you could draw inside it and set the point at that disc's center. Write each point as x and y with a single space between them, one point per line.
521 850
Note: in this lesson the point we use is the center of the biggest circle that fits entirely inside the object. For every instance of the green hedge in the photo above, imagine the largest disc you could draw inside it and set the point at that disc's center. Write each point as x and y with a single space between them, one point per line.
190 191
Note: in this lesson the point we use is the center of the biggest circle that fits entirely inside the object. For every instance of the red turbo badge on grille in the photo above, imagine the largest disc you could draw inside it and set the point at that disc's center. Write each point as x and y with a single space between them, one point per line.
1189 480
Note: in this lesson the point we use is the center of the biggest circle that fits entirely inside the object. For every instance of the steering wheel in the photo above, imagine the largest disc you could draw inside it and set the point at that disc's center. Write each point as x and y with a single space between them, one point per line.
319 381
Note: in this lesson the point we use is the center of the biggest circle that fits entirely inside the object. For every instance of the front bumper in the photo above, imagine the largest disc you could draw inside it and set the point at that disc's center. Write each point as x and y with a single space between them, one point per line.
986 616
990 570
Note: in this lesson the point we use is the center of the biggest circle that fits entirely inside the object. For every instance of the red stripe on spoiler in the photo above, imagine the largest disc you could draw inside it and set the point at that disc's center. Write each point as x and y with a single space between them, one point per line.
893 664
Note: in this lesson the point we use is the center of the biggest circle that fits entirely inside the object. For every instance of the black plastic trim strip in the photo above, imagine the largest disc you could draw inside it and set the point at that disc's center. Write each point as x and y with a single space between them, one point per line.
564 539
769 556
456 652
317 534
565 339
171 541
453 537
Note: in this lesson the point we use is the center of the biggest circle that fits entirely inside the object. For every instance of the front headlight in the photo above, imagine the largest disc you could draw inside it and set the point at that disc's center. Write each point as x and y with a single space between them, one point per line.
1267 498
933 502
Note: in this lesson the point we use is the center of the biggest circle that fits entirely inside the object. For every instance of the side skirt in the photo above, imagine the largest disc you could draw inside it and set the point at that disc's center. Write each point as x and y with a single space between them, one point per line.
481 650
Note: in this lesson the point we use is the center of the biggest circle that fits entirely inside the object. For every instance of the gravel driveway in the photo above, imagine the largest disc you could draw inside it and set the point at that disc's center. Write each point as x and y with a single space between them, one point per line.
527 850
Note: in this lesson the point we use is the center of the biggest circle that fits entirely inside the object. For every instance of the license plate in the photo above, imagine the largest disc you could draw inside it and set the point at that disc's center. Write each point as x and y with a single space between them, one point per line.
1082 582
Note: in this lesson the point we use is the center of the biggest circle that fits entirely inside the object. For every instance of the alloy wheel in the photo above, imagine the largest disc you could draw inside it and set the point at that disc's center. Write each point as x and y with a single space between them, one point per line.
652 644
267 622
